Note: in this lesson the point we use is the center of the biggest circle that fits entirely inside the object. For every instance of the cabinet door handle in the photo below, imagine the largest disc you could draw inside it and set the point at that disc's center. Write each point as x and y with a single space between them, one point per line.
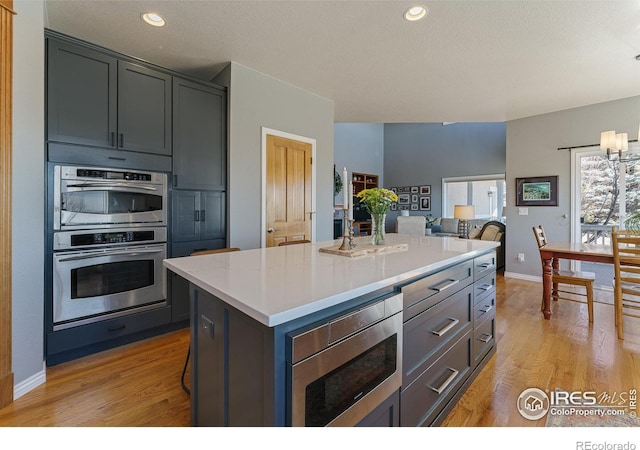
489 308
444 330
486 287
112 139
117 327
485 265
202 216
444 285
175 181
485 339
196 215
121 140
447 382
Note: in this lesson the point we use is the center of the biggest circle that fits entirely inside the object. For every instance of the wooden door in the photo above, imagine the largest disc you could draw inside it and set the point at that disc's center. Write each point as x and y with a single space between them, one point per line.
288 189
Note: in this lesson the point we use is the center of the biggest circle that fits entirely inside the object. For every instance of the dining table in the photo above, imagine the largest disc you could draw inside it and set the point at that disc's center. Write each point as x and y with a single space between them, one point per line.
553 252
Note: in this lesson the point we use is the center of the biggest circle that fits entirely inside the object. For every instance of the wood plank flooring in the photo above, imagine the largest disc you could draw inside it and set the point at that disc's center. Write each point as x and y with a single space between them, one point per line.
138 385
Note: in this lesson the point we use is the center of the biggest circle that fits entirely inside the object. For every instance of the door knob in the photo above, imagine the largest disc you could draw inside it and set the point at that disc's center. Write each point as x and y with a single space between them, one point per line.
270 230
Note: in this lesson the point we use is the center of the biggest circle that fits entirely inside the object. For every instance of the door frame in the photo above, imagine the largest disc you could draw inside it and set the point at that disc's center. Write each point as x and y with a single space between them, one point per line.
263 182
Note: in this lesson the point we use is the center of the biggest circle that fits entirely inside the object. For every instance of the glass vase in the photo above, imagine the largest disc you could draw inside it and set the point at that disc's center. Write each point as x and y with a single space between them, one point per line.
377 228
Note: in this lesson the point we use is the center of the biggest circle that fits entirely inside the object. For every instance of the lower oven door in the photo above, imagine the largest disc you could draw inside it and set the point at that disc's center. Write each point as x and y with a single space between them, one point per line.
94 285
340 385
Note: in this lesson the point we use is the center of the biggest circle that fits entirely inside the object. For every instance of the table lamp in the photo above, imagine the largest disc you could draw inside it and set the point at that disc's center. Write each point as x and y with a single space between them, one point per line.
464 213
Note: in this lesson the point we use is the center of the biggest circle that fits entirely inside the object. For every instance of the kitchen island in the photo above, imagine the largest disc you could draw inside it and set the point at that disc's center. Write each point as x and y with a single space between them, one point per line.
246 306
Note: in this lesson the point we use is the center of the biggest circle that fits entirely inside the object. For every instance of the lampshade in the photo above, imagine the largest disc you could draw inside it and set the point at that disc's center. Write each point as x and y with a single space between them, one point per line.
608 140
464 212
622 142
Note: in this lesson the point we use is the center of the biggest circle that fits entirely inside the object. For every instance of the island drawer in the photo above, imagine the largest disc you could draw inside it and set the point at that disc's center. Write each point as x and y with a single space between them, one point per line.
425 292
484 287
484 337
483 309
429 394
483 265
427 335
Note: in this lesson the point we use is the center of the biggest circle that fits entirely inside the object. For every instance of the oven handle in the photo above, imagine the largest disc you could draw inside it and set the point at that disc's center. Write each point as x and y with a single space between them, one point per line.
111 185
110 253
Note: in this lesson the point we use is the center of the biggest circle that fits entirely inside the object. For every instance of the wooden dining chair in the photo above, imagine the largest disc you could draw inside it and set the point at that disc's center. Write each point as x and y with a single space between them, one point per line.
214 251
568 277
626 263
300 241
198 253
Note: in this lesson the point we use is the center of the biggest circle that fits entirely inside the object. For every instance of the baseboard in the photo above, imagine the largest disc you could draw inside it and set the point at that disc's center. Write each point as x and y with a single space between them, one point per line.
30 383
522 276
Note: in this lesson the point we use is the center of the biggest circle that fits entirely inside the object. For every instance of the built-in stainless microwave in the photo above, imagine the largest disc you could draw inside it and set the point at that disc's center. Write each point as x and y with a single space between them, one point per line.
93 197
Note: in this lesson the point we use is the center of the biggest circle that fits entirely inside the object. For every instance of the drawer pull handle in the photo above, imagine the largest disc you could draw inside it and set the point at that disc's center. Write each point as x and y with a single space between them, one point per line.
489 308
486 287
485 265
447 382
444 330
444 285
485 339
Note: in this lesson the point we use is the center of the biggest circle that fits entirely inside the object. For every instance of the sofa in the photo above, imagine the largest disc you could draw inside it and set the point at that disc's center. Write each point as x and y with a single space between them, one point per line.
482 229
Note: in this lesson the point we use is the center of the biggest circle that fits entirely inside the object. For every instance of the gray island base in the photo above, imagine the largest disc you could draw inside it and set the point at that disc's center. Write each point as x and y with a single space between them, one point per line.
291 336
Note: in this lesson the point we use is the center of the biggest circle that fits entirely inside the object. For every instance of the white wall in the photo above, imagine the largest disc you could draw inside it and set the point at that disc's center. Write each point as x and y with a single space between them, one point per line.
255 101
28 191
532 150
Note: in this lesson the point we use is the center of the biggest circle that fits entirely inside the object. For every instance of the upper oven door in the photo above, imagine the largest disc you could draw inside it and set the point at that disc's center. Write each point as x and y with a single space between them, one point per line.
81 203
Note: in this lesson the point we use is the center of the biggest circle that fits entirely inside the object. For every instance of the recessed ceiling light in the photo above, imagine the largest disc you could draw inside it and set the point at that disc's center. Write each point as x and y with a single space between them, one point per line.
415 13
154 19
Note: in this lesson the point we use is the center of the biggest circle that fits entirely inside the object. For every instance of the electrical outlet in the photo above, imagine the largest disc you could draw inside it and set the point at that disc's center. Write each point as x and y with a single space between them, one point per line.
521 257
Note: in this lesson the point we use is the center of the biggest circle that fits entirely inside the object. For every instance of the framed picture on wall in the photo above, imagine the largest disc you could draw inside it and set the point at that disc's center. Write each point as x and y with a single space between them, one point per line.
394 206
537 191
425 190
414 189
403 199
414 198
425 203
403 207
414 207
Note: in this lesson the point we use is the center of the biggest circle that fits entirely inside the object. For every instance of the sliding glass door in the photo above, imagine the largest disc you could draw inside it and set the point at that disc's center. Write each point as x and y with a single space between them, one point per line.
605 193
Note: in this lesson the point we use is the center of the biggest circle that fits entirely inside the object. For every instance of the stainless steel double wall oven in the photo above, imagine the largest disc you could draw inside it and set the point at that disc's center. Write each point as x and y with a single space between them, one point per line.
109 240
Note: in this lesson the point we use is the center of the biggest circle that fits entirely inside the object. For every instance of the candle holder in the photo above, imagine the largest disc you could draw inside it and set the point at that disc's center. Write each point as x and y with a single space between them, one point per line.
347 232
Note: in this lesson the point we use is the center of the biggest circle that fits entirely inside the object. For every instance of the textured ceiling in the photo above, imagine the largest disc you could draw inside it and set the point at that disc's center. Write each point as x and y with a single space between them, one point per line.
467 61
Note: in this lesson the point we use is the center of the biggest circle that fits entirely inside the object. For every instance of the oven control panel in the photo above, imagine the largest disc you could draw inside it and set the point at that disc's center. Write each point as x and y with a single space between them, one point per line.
112 175
99 238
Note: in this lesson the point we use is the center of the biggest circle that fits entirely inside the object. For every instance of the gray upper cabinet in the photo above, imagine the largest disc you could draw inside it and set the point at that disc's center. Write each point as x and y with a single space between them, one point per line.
199 136
82 95
144 109
95 99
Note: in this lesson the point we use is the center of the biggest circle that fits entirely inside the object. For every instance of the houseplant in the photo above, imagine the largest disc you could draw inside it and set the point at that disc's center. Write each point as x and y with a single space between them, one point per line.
377 202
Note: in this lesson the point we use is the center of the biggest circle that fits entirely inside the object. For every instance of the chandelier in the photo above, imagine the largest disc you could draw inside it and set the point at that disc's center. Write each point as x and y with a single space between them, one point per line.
617 146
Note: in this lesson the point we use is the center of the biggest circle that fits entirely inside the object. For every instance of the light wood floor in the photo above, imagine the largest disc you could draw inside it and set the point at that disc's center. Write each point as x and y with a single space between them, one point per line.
139 384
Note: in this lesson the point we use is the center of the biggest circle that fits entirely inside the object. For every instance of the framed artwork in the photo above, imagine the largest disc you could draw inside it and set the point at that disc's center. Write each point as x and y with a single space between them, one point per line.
403 207
414 189
414 207
537 191
414 198
393 189
425 190
425 203
403 189
403 199
394 206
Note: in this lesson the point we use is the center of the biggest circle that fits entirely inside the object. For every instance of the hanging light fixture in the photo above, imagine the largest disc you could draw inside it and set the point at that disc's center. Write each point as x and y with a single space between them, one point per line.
617 146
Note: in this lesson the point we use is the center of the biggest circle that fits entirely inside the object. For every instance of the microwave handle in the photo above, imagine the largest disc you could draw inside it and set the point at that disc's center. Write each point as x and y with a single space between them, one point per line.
108 185
111 253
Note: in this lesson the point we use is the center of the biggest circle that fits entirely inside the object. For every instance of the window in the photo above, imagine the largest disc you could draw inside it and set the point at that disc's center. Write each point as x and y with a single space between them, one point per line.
486 193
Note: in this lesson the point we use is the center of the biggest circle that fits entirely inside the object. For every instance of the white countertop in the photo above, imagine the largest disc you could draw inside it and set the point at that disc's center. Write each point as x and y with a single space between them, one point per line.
279 284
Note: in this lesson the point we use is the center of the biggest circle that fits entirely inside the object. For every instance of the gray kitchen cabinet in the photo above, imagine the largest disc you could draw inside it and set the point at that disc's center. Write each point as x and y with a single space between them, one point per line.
198 223
98 100
198 215
81 95
199 136
449 329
